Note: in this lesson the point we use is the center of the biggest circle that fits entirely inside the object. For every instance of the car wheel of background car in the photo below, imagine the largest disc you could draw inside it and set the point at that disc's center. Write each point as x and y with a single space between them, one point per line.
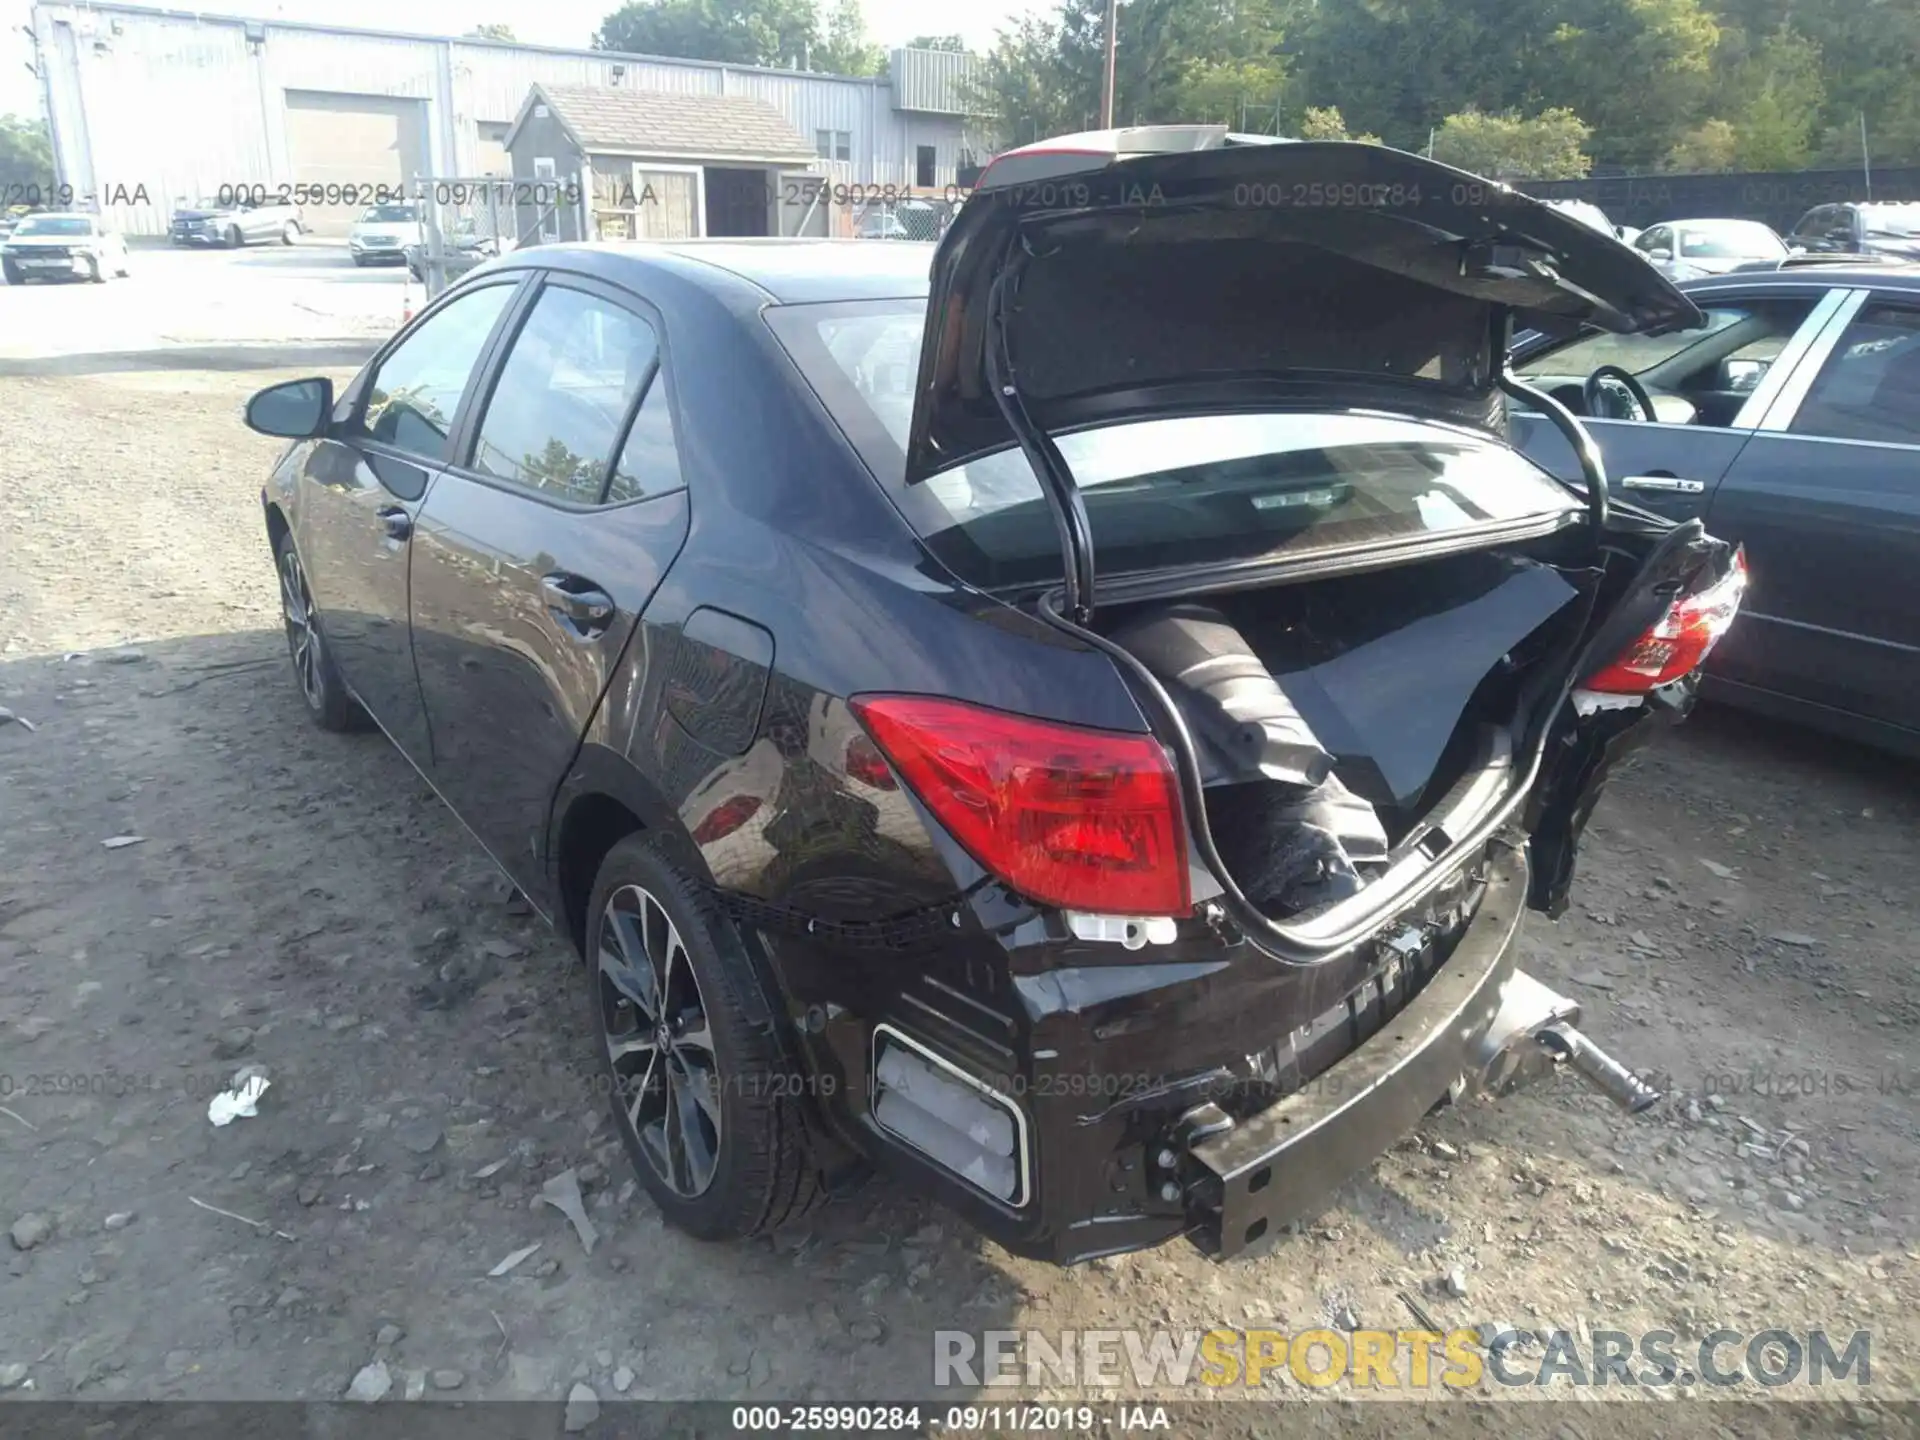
321 687
290 233
235 238
704 1098
360 262
96 272
13 274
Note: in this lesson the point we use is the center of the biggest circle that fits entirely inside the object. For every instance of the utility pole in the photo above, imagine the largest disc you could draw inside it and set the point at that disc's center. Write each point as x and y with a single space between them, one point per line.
1866 164
1106 73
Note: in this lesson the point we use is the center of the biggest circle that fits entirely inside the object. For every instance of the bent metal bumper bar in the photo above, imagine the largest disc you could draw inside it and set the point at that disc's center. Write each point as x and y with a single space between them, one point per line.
1477 1025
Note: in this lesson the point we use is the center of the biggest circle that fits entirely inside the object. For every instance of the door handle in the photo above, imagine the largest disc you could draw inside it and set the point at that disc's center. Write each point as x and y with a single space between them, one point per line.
1666 484
589 608
398 523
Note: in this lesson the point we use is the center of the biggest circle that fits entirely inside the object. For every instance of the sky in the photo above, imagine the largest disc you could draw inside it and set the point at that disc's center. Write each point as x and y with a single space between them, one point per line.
549 22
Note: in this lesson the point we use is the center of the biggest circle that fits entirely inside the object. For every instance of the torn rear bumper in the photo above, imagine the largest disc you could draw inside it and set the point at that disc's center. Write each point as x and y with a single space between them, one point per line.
1286 1162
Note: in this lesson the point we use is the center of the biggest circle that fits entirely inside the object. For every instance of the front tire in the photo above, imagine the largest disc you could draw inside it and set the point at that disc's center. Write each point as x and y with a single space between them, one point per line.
704 1098
15 276
290 233
325 693
235 237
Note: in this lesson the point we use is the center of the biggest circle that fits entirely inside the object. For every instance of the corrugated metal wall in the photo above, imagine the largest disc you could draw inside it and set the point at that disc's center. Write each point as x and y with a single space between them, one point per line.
182 104
932 80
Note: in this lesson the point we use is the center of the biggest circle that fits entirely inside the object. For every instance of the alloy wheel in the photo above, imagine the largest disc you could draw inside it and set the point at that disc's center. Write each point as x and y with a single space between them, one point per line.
303 638
659 1044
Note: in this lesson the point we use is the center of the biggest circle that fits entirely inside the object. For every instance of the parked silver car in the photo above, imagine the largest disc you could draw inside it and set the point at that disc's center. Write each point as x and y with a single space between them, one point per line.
1689 249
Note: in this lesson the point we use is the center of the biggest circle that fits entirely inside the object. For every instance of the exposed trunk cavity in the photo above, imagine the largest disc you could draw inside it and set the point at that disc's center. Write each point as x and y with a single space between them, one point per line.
1331 716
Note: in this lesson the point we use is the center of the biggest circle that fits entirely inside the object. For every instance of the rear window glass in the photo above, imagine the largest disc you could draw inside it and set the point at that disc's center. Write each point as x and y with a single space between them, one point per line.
54 225
1182 490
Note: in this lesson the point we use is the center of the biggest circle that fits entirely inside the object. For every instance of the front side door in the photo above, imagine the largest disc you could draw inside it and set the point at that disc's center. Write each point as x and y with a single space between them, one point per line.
1826 498
362 488
534 557
1710 387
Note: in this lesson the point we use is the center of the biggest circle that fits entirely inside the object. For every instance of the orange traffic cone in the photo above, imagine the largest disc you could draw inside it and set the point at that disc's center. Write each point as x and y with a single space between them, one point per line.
406 299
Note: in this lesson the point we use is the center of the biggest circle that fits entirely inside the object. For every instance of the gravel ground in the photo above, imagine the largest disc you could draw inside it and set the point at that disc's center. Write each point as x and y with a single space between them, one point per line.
1744 923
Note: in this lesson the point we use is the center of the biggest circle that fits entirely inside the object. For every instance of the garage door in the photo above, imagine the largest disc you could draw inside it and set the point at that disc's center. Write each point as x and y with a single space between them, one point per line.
352 140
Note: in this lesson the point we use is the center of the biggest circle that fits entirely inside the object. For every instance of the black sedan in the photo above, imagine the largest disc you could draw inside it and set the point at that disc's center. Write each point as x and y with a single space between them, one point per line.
1789 423
742 600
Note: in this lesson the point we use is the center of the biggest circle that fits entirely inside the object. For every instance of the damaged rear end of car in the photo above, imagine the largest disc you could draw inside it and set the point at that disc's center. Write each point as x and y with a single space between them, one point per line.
1232 414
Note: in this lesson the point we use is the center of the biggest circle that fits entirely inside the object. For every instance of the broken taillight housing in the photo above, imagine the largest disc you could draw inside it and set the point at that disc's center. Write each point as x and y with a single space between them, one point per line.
1679 642
1082 819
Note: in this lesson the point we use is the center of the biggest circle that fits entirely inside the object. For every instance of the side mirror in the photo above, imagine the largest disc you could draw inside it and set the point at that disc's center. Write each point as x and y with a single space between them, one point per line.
292 410
1660 252
1796 249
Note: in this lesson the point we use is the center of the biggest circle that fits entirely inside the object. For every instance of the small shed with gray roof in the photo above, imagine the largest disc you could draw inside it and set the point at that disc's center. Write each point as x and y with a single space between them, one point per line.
658 164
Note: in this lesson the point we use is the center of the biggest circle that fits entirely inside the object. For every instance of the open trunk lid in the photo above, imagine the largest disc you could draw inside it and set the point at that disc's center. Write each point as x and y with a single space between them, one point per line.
1171 272
1174 269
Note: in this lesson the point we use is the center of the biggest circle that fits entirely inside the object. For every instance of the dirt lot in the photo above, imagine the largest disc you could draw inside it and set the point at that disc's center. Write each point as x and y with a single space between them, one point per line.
1746 923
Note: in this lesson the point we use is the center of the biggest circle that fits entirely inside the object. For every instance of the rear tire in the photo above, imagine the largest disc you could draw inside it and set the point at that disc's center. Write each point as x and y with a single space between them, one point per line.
703 1095
328 701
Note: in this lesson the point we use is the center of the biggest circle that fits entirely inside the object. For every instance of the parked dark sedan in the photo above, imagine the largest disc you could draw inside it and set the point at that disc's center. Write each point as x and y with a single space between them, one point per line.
742 599
1879 227
1790 424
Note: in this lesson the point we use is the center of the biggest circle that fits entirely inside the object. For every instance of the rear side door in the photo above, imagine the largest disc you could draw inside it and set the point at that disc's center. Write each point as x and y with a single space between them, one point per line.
536 553
362 488
1826 499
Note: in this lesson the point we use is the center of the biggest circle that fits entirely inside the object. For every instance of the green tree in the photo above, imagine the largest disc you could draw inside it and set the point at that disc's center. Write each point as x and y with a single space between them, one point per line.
1547 146
1022 91
493 30
1398 66
26 154
1174 60
1712 145
1782 96
1324 122
737 32
842 48
936 42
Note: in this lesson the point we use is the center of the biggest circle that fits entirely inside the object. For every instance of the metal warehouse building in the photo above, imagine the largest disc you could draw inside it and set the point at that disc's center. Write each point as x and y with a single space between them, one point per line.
178 104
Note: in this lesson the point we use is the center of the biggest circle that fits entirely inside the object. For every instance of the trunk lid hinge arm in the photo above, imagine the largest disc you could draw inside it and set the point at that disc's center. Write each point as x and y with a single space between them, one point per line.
1586 450
1049 465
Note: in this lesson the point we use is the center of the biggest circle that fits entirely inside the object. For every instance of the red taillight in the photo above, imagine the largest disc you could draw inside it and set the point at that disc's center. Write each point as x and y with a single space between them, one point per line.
726 818
1679 642
1082 819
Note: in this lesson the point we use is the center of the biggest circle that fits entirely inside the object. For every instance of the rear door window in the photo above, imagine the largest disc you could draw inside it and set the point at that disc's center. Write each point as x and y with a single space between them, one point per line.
556 414
1869 389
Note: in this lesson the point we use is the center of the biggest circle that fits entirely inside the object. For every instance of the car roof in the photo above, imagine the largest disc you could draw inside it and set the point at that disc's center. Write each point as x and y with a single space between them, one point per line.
59 215
786 271
1821 277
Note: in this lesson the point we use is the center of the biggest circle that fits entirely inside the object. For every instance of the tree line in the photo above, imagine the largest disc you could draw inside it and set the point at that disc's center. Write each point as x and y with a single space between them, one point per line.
1546 89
